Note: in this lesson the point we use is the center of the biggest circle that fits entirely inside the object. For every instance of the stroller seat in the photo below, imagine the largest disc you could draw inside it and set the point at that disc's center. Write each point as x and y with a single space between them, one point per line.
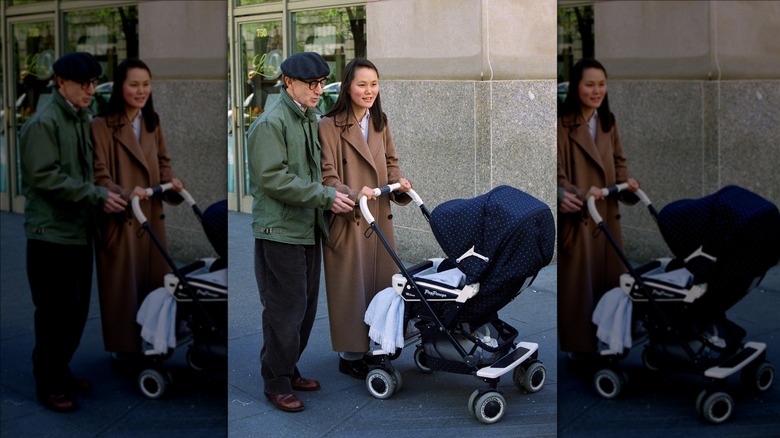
207 285
436 283
664 281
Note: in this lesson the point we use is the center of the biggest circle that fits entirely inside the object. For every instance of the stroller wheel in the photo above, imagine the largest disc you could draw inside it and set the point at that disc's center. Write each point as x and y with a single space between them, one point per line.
648 360
530 378
398 380
472 401
421 360
153 383
758 377
380 384
193 360
490 407
608 383
717 407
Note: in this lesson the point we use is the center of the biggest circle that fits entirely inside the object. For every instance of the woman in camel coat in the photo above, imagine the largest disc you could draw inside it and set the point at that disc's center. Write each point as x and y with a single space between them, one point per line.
589 158
128 159
356 158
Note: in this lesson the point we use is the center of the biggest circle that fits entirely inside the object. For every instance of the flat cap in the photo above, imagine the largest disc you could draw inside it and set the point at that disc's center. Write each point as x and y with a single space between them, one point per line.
79 67
305 65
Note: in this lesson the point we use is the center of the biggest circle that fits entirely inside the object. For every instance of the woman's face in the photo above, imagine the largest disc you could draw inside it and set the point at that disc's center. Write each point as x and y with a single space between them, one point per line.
364 89
136 88
593 88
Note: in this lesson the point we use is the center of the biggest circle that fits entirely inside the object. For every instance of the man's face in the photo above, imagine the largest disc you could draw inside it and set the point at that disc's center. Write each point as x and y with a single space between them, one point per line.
76 93
307 92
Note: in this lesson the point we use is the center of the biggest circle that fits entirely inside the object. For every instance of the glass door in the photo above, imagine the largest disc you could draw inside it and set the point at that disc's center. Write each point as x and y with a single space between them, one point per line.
32 56
256 79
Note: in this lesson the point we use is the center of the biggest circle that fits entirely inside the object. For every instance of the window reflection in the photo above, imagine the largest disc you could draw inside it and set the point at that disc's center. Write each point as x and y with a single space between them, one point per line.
338 34
34 55
110 34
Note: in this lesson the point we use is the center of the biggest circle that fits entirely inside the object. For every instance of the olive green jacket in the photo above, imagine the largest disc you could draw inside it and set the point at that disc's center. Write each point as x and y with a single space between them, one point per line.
57 175
285 176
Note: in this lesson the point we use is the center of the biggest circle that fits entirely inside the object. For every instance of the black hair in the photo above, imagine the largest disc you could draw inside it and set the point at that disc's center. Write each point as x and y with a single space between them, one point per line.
343 104
116 103
573 104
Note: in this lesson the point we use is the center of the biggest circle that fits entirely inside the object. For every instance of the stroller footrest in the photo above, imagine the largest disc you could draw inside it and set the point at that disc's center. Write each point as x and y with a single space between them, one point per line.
509 362
737 362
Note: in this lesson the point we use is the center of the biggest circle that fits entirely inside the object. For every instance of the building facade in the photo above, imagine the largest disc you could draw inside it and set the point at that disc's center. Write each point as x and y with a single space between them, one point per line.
694 87
468 87
187 60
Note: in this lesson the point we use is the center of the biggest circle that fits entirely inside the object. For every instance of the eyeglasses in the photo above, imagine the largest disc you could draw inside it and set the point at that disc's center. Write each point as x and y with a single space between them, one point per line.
313 84
85 85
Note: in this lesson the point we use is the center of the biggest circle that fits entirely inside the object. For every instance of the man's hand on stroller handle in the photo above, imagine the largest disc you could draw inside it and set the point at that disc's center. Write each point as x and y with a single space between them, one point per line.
342 203
114 203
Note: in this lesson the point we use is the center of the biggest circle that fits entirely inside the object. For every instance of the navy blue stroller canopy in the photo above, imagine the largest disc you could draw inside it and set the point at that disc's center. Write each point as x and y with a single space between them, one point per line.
737 234
497 239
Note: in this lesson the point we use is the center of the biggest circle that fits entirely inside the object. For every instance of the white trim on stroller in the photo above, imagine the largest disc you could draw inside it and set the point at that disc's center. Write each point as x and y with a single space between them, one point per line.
676 285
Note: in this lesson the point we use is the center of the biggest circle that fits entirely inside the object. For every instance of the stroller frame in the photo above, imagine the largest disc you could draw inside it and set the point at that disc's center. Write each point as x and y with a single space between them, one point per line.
714 404
486 404
208 341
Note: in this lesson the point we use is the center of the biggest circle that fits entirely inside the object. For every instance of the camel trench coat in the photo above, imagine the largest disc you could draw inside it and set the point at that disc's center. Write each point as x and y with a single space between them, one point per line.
588 266
129 266
356 267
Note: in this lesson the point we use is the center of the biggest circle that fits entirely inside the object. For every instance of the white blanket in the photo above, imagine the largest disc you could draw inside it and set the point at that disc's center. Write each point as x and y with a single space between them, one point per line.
157 317
385 317
613 318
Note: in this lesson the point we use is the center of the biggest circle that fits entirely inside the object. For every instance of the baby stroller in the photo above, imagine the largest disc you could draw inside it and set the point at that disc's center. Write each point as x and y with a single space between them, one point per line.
191 307
723 244
496 244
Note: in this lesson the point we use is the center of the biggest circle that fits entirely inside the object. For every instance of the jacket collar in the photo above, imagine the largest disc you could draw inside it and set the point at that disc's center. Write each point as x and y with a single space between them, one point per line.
310 114
82 114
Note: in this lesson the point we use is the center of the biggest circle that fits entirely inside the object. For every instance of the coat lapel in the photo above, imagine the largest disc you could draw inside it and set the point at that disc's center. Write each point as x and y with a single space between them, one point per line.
580 135
125 136
353 137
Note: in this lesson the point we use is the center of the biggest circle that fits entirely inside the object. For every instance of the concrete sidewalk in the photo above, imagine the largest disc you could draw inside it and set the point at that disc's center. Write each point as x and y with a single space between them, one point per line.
663 404
194 406
430 405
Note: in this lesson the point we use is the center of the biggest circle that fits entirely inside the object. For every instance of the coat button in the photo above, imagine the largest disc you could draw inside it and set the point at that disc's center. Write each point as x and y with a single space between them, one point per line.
390 216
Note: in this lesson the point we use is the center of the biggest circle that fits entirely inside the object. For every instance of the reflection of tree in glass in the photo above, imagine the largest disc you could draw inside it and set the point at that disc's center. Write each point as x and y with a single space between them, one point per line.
577 39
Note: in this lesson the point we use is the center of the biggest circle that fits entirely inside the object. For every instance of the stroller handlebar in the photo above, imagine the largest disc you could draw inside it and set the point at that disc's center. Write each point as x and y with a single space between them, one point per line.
151 191
379 191
606 191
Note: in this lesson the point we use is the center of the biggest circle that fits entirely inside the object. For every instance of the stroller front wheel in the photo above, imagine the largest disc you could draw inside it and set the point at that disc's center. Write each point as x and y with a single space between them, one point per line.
380 383
153 383
490 407
758 378
421 360
716 407
530 378
608 383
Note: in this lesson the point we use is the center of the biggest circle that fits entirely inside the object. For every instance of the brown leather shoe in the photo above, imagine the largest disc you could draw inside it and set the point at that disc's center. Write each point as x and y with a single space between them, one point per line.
285 402
79 385
302 384
58 403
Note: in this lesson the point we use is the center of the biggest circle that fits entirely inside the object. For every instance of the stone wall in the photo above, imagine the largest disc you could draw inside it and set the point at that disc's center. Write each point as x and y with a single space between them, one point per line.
695 88
469 90
187 56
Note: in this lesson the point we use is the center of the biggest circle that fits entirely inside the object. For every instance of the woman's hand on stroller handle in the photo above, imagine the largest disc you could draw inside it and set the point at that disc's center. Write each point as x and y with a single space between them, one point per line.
593 194
141 193
379 191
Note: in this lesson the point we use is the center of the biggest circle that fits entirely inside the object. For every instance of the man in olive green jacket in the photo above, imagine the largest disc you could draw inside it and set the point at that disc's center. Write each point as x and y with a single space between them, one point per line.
60 204
288 223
